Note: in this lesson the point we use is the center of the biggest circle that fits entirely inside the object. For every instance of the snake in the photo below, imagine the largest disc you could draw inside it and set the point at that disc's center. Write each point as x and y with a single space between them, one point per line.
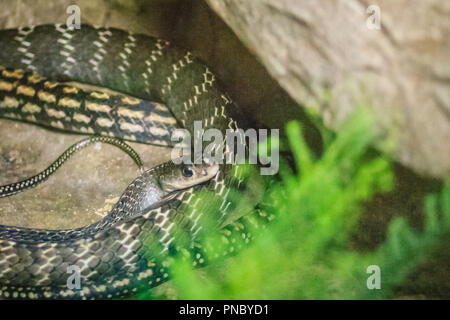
51 75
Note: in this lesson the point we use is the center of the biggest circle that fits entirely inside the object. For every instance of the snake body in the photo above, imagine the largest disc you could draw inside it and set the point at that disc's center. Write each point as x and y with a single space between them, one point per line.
31 182
152 78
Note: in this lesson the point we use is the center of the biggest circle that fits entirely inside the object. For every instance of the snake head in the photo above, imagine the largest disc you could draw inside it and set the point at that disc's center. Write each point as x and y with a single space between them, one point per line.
184 176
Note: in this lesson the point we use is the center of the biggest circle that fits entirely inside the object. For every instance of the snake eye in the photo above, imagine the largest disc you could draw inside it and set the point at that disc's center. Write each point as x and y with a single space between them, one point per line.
187 172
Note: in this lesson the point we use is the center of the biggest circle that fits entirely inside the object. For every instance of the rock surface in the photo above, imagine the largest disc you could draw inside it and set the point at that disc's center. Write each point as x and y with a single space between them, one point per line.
327 58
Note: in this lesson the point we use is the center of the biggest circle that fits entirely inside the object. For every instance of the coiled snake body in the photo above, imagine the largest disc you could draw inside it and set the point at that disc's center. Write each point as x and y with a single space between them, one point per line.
121 253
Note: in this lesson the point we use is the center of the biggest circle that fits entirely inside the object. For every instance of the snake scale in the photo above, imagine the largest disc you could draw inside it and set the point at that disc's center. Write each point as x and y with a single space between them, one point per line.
156 87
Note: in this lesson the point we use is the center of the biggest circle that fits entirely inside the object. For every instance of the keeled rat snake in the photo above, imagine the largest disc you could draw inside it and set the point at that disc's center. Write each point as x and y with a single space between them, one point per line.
161 87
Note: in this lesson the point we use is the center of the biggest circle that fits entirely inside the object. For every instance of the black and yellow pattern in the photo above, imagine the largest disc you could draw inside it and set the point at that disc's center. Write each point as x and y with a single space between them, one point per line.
28 97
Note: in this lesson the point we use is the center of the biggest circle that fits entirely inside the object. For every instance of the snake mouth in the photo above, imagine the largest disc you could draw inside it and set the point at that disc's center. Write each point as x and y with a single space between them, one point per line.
172 195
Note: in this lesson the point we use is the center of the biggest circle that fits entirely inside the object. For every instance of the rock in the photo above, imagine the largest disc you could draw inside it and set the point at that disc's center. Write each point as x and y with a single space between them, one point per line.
327 58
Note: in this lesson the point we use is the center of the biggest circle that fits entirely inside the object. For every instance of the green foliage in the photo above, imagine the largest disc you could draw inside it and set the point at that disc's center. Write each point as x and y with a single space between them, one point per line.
304 252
